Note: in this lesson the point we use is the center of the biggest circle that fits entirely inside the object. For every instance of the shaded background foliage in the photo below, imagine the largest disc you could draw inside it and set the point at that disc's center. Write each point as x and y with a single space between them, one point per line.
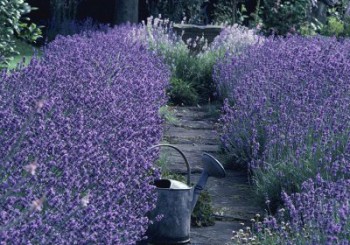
12 23
299 16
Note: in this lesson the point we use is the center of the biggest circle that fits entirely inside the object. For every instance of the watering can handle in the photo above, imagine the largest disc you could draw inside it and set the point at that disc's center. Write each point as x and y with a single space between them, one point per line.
183 156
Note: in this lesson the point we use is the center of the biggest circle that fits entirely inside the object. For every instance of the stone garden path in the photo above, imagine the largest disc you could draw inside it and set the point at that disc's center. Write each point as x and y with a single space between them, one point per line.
194 131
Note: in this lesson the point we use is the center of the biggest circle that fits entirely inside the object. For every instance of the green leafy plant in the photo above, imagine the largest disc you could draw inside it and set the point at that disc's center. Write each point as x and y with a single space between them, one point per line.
202 214
284 16
230 12
182 92
336 25
191 72
159 36
25 53
311 28
167 115
12 24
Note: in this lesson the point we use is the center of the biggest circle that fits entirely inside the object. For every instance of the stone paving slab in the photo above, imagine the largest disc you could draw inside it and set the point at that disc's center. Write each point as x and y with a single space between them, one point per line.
193 153
176 164
192 113
190 124
197 148
232 197
219 234
183 140
194 135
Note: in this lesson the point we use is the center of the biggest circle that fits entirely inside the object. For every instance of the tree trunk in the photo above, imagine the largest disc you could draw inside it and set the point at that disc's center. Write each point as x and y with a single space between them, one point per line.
320 12
234 11
126 11
346 17
347 10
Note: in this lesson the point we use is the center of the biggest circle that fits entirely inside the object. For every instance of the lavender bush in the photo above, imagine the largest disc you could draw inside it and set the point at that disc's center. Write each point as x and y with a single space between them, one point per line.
287 114
320 214
74 129
322 209
286 118
158 35
233 40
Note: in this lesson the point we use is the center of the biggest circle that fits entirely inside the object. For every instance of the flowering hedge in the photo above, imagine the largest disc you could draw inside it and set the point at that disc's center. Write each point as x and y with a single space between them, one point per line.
287 111
286 117
73 129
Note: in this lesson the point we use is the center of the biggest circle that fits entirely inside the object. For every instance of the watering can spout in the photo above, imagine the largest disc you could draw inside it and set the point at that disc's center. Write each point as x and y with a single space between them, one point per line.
211 167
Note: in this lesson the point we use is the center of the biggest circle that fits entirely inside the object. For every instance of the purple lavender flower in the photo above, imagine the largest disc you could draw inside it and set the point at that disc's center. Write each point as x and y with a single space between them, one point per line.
74 127
286 117
287 103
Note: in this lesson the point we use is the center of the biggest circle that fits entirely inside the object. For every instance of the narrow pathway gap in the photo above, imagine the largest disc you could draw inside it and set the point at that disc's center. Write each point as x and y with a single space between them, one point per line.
194 131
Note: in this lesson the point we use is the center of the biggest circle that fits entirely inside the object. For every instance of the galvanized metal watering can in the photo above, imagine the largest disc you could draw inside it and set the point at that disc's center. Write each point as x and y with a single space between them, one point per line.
176 201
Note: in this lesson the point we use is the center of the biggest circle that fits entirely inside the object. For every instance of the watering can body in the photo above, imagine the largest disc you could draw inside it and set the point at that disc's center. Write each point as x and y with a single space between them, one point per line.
174 205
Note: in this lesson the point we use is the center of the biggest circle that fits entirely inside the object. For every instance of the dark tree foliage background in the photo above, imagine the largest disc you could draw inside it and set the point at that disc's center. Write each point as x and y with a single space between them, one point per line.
272 16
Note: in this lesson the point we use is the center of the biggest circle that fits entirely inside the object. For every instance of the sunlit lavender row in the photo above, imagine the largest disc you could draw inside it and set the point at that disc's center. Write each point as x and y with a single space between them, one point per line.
74 128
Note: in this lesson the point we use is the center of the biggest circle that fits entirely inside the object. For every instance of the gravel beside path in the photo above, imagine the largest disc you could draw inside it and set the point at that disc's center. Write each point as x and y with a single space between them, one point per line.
194 131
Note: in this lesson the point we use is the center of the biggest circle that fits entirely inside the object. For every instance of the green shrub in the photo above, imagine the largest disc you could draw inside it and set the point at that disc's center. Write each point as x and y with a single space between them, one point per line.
334 27
229 12
202 214
168 115
311 28
25 52
182 92
192 73
160 37
202 70
11 24
282 17
280 177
